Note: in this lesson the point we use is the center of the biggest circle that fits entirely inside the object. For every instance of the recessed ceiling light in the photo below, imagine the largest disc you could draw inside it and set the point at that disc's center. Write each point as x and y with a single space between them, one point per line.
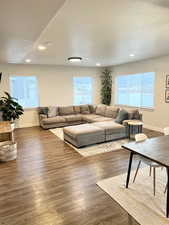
98 64
42 47
132 55
74 59
27 60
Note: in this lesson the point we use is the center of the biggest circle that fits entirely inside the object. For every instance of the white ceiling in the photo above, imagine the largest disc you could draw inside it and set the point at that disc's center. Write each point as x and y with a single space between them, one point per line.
105 32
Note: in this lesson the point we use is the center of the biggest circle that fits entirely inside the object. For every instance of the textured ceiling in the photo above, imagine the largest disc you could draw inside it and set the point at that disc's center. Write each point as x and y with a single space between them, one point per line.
21 23
105 32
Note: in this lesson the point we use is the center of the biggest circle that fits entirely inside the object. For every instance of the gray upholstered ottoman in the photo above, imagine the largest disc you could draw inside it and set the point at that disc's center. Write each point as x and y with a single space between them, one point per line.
85 134
112 130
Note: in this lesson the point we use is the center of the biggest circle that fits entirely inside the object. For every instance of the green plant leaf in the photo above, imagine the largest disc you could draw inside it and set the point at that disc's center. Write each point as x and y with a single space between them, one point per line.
10 108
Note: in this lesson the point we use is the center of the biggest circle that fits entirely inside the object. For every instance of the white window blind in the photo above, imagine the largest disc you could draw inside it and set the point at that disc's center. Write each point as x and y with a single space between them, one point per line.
82 90
135 90
25 90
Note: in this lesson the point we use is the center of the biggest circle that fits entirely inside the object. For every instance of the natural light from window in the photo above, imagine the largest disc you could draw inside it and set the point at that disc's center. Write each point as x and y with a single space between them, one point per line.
25 90
82 90
136 90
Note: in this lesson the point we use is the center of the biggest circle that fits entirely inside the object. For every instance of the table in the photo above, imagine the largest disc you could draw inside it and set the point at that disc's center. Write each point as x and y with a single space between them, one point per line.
134 127
155 149
7 128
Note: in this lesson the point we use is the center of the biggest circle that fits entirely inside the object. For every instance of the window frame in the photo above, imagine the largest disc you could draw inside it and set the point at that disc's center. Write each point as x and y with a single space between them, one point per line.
135 107
38 97
91 89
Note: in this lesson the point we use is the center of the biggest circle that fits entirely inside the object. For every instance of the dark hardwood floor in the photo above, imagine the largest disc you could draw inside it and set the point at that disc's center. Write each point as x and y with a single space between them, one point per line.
51 184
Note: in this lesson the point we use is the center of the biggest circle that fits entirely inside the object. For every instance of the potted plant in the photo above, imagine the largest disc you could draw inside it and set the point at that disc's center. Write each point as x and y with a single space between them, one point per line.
10 108
106 87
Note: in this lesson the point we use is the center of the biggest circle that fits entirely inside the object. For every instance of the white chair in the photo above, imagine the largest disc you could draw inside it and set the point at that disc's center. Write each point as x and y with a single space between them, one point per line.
139 138
166 131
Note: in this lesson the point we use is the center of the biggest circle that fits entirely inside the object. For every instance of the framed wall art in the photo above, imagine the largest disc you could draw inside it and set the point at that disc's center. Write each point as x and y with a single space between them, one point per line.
167 81
167 95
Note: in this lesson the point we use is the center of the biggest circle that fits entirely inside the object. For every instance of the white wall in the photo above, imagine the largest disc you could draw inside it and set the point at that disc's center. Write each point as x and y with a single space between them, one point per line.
55 85
159 117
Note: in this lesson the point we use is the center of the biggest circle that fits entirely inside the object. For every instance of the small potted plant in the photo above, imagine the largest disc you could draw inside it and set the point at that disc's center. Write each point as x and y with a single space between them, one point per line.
10 108
106 87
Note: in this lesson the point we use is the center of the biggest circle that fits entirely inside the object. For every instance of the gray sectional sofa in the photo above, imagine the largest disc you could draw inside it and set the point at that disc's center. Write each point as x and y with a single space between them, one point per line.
88 124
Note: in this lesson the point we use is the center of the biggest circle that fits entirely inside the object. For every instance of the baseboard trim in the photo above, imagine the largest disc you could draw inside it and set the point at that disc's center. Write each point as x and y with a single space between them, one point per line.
37 124
153 128
25 125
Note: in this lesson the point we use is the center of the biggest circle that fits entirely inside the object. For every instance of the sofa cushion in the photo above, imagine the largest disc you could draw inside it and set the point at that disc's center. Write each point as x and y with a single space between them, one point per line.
76 109
100 110
73 118
110 127
100 119
84 109
53 111
89 117
56 119
111 111
122 115
66 110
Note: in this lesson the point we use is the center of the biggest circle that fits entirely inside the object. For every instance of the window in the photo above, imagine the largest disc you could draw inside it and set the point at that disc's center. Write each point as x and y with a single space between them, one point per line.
135 90
24 89
82 90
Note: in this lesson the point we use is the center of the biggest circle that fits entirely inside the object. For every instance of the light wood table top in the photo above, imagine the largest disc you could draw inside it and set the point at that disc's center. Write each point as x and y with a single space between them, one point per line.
135 123
5 127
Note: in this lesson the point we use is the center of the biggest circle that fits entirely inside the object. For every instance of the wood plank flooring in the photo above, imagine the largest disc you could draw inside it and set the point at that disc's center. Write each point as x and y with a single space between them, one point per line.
51 184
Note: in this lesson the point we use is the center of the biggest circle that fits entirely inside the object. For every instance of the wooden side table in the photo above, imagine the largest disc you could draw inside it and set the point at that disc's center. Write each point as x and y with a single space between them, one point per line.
6 129
134 127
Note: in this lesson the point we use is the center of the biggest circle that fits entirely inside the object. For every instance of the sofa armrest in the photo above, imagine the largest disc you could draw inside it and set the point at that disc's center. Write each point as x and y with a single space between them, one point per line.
42 116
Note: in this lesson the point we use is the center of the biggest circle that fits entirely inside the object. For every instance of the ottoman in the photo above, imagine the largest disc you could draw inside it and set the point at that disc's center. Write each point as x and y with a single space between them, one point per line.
113 131
84 134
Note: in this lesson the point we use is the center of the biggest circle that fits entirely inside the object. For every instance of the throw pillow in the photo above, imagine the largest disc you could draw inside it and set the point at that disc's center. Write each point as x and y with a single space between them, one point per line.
43 110
111 112
52 111
84 109
77 109
100 110
134 114
122 115
92 108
